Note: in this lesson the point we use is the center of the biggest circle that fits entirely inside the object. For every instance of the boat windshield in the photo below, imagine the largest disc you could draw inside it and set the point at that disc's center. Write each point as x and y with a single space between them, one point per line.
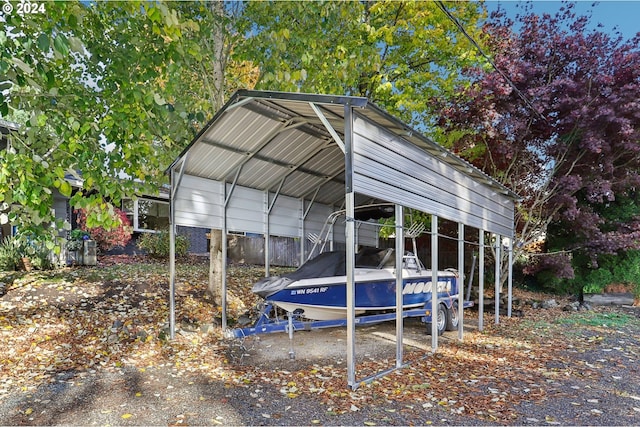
375 258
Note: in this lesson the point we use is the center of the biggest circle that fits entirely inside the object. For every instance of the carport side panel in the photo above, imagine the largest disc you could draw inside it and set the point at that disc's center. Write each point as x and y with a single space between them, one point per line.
445 188
199 203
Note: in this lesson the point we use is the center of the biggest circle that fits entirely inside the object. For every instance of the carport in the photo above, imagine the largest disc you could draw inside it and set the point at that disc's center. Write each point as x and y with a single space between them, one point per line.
278 163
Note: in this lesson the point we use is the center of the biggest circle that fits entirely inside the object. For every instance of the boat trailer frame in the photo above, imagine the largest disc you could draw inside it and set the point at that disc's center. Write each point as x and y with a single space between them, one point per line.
294 322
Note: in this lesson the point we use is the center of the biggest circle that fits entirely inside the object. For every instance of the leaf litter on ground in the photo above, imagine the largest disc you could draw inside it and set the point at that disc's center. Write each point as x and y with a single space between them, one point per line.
114 317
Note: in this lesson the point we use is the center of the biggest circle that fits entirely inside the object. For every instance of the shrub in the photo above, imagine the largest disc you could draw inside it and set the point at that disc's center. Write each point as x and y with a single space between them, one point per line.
10 254
596 280
157 244
107 239
552 272
14 249
41 258
623 268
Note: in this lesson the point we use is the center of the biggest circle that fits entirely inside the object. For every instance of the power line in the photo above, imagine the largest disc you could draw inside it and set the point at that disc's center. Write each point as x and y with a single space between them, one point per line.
489 60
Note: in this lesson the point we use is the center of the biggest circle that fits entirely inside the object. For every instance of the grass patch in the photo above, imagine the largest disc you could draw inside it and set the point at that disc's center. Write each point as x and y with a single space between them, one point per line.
608 320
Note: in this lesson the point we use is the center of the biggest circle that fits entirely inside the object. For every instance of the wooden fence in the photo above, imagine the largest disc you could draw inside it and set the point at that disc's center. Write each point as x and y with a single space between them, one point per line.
283 251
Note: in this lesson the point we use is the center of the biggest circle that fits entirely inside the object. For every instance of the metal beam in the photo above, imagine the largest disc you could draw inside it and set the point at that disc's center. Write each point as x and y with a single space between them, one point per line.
240 103
305 214
267 236
399 303
481 280
175 186
460 280
510 278
347 101
267 233
227 197
224 262
172 262
497 278
349 200
434 283
328 126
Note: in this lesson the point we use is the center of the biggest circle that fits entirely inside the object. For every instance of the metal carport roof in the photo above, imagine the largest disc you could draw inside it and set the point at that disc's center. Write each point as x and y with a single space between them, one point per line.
274 138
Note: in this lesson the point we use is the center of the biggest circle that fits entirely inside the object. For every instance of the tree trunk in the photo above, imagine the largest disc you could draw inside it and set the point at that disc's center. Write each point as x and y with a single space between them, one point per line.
216 91
220 50
215 266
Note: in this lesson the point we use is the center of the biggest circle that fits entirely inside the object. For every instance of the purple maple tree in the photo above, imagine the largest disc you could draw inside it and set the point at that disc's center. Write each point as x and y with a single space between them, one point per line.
564 134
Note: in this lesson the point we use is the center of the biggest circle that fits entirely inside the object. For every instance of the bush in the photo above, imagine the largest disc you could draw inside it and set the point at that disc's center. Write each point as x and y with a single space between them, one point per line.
552 272
596 280
41 258
107 239
157 244
623 269
11 252
14 249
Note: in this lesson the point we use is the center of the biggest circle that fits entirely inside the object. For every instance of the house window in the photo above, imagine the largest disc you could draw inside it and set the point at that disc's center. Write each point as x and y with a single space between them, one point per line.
147 214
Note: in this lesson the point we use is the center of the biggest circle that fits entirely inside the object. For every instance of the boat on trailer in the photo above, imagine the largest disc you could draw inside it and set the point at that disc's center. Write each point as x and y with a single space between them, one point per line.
315 295
317 290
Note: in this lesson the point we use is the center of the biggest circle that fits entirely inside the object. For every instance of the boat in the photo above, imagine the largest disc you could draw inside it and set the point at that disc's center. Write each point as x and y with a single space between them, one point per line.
317 290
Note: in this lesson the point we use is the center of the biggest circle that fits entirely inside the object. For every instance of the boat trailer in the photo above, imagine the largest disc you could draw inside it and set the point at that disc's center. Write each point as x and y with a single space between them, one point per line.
291 322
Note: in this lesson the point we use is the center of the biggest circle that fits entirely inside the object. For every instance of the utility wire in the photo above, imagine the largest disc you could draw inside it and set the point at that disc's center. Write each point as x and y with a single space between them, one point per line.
457 23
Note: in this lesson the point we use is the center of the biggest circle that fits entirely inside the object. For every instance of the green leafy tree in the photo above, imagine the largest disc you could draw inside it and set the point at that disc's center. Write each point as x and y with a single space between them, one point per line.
402 55
112 92
92 79
117 89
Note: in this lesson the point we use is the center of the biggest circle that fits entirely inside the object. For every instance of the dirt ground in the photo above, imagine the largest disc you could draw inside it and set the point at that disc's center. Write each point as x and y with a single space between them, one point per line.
372 342
87 347
594 385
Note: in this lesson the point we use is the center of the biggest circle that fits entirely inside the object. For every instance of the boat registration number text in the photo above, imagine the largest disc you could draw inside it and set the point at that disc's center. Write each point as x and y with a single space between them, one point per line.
308 291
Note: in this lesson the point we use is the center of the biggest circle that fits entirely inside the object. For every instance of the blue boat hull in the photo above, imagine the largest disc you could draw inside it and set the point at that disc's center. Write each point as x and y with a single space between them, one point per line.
328 300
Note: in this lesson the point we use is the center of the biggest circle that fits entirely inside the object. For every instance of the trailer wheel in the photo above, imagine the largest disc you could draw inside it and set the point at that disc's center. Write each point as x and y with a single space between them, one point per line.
441 321
453 317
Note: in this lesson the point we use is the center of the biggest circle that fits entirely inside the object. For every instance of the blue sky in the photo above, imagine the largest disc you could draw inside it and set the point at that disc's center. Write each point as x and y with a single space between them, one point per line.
623 14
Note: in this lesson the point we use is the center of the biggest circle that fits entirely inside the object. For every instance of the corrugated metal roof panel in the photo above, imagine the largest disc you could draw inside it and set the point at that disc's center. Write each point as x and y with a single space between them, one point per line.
271 136
300 184
329 161
256 173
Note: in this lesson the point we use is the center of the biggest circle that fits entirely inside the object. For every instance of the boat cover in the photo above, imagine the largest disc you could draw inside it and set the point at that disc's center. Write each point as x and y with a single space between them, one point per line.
327 264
